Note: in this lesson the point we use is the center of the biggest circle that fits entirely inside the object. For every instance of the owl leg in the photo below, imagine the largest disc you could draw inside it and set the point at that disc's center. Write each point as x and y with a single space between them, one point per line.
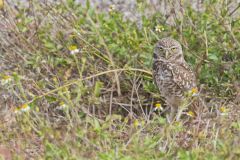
173 112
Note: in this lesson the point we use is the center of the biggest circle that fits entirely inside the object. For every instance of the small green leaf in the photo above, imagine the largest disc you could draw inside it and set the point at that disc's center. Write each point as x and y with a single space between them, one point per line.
213 57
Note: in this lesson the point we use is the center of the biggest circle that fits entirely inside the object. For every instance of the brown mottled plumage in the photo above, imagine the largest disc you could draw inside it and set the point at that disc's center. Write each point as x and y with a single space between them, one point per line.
171 73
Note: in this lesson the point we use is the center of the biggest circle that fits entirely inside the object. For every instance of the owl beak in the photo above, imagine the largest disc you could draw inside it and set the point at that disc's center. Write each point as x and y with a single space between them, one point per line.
166 54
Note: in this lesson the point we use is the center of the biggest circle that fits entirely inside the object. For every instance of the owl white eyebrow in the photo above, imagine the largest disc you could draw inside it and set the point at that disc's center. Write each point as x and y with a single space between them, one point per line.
167 47
162 47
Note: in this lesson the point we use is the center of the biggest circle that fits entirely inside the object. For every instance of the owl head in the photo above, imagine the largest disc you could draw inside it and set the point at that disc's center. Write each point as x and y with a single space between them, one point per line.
168 49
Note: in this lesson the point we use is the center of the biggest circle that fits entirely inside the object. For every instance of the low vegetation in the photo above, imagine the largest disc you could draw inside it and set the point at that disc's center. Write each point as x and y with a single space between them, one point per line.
76 82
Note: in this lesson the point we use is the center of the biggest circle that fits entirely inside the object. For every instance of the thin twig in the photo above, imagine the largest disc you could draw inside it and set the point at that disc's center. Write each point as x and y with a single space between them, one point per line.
89 77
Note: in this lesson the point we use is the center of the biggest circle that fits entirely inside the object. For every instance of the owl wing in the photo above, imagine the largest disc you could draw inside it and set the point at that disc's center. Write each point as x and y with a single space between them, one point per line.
183 76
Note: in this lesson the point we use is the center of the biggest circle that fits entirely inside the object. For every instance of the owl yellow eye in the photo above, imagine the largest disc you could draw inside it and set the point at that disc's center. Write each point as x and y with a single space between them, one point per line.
160 48
174 49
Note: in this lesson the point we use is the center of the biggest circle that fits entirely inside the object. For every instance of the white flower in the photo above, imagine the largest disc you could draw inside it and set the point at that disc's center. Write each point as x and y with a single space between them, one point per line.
62 106
6 79
223 111
159 28
112 8
158 106
73 49
21 109
194 92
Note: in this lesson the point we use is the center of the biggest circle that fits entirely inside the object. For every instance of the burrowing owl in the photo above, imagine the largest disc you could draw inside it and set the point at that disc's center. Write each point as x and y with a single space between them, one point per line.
171 73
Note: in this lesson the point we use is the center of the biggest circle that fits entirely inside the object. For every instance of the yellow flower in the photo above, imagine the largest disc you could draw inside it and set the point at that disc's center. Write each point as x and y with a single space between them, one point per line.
159 28
191 114
223 109
23 108
194 91
136 123
73 49
158 106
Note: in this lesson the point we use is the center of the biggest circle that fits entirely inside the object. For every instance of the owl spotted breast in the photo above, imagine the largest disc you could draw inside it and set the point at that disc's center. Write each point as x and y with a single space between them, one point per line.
171 73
